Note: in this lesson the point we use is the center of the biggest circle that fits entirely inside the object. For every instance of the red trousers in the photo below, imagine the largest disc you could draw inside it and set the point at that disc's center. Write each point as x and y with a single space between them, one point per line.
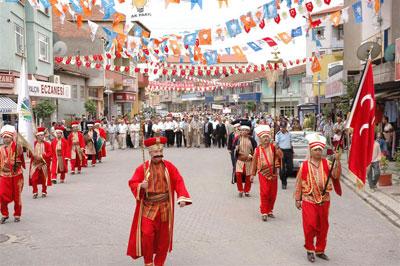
155 240
93 158
239 181
268 192
62 176
76 163
10 190
315 225
39 178
84 162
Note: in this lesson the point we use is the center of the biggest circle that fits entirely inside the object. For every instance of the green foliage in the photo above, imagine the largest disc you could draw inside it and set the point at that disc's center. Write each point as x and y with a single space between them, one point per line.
90 107
44 109
384 164
397 158
345 100
251 106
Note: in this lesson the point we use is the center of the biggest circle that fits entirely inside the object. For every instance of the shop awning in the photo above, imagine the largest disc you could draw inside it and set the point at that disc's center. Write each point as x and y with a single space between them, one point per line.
7 106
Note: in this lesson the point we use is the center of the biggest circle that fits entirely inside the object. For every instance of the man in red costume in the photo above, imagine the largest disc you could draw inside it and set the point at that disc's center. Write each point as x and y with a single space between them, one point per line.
244 147
61 154
101 140
263 164
11 179
77 145
39 171
154 185
310 183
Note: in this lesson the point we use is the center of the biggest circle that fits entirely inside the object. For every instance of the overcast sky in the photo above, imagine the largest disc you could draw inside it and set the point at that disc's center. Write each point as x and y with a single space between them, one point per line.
178 18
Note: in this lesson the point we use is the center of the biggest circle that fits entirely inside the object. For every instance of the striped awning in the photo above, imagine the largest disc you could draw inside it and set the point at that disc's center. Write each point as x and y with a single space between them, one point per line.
7 106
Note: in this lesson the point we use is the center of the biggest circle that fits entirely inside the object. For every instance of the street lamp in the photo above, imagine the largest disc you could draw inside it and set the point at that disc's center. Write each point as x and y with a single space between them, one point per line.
290 97
108 92
319 81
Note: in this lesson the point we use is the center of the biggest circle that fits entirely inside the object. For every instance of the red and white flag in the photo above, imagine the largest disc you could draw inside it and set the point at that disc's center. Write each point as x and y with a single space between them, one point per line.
362 121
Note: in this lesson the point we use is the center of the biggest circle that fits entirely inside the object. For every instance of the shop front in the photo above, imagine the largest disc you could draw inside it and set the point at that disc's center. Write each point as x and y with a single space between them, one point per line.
8 99
124 102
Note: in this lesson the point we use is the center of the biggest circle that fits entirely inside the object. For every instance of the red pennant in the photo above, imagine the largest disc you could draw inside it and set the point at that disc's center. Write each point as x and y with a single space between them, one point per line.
186 46
327 2
137 70
262 24
146 70
108 67
309 6
277 19
108 55
118 54
77 58
183 72
197 42
166 49
126 69
156 51
165 72
87 64
200 72
98 66
95 57
247 29
79 63
155 71
293 12
208 72
100 57
117 68
146 51
59 59
173 72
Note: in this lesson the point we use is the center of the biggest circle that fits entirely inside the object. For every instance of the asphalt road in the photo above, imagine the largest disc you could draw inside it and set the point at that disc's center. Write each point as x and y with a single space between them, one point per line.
87 221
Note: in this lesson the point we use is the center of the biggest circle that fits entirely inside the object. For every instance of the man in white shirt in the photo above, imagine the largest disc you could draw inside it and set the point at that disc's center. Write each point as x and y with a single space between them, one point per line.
134 130
374 171
112 131
169 127
122 130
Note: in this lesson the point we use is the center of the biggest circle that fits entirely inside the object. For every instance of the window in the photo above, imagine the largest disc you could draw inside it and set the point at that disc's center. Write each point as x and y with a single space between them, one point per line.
74 92
43 47
340 32
82 92
320 33
93 92
19 39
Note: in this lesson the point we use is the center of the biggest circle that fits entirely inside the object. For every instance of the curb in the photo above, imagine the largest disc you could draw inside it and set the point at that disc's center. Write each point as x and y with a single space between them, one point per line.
387 210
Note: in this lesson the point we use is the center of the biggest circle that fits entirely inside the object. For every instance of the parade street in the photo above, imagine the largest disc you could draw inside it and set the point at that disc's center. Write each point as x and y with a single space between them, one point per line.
87 220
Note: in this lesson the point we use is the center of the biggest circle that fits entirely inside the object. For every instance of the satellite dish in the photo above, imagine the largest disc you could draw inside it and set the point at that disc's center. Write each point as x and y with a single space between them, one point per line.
390 53
60 48
368 48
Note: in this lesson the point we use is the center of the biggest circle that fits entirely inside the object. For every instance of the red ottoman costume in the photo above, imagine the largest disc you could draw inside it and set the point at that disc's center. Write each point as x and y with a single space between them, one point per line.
153 223
61 154
11 178
39 171
77 145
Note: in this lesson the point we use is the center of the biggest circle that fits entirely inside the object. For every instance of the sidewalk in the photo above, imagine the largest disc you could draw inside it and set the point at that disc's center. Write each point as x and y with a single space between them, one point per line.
386 200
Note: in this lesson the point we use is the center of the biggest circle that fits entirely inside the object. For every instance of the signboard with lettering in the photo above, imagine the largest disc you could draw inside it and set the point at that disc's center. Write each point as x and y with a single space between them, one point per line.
49 90
334 85
6 81
124 97
217 106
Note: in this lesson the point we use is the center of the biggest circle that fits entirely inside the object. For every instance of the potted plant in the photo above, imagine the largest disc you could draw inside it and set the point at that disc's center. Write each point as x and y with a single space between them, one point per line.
385 179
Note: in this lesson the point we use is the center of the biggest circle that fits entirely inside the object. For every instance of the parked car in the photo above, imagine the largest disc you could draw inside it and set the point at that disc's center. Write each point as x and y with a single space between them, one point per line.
300 148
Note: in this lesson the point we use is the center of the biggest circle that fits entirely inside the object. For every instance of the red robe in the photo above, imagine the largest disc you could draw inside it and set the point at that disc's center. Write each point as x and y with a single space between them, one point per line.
176 184
65 153
34 171
81 143
103 135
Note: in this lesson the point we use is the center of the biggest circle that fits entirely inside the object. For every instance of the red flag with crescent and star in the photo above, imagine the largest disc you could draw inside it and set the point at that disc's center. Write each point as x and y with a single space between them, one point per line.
362 121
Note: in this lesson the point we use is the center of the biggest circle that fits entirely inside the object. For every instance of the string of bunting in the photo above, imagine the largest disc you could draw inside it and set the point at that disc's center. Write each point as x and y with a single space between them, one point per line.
98 62
192 86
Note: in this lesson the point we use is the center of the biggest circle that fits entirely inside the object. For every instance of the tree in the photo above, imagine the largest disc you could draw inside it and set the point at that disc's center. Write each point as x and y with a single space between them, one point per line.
251 106
44 109
346 100
90 107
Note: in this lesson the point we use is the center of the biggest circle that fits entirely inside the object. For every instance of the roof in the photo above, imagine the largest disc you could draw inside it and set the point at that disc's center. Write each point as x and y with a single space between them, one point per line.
225 59
327 11
243 77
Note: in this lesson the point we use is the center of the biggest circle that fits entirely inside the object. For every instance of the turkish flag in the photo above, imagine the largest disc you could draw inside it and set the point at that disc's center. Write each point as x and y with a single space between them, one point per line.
362 121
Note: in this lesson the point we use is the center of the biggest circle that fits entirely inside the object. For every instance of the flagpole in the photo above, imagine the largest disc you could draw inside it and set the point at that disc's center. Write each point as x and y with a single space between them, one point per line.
347 122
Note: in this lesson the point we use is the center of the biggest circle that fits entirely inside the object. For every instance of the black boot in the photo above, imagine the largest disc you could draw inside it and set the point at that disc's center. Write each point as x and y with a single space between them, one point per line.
322 256
3 220
310 256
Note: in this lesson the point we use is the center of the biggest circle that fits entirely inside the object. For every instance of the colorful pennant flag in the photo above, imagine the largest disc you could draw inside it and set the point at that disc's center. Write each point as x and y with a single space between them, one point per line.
233 27
211 57
238 51
316 66
248 22
254 46
293 12
190 39
111 35
205 37
46 3
357 11
270 10
220 34
228 50
309 6
297 32
198 2
221 2
270 41
335 18
167 2
286 38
